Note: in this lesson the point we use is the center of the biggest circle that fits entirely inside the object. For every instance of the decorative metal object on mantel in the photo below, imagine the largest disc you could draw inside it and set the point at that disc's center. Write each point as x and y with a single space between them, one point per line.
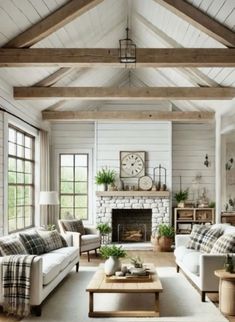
145 183
206 162
159 178
229 164
127 50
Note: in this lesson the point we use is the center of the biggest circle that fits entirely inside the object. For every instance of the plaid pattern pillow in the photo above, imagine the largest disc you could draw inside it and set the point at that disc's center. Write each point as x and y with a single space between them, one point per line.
52 240
12 247
33 242
209 240
196 236
74 225
225 244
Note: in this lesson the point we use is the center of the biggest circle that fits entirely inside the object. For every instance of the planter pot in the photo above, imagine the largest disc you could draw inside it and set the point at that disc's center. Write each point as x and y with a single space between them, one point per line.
180 204
112 265
162 244
103 187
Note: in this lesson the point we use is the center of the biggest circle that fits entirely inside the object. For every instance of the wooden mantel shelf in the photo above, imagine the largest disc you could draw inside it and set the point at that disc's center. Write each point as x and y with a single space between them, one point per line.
132 193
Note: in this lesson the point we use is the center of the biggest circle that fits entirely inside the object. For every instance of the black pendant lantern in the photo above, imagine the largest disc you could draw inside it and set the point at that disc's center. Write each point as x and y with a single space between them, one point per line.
127 50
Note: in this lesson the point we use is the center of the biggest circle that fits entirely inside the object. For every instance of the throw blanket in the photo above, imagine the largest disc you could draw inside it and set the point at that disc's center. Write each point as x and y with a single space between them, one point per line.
16 284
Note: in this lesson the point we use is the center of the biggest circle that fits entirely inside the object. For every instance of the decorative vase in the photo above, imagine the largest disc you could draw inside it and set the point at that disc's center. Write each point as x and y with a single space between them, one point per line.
180 204
112 265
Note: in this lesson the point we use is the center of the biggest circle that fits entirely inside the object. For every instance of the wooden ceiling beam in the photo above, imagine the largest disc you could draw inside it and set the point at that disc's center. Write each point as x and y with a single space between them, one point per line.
192 117
70 11
200 20
101 57
116 93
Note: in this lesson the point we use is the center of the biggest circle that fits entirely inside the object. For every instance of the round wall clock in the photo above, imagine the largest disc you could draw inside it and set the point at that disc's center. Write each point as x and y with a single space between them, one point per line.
132 164
145 183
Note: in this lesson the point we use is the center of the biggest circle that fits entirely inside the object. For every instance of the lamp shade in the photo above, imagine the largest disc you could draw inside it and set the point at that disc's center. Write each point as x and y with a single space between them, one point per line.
48 198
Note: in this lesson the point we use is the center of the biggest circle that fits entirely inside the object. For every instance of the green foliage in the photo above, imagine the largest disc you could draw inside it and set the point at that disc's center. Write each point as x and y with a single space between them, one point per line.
165 230
105 176
211 204
104 229
182 195
137 262
51 227
113 250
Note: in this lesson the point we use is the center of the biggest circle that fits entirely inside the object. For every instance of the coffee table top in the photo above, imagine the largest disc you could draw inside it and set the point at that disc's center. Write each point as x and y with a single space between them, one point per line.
98 284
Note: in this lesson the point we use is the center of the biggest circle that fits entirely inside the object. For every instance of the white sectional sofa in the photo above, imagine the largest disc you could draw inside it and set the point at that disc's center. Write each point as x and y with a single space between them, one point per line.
48 270
199 267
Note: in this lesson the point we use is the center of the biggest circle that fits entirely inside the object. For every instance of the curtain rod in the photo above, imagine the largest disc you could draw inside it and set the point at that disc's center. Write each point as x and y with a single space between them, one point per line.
19 118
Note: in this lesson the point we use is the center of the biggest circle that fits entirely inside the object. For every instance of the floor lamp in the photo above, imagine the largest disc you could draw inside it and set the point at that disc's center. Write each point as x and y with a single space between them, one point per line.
48 198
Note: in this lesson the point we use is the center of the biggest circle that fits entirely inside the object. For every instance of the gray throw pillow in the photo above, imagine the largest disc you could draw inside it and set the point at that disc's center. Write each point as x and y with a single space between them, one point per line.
209 239
74 226
224 245
33 242
52 239
12 247
196 236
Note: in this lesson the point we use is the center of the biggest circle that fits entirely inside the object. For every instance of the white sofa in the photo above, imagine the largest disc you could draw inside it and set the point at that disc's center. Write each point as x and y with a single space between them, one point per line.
48 270
199 267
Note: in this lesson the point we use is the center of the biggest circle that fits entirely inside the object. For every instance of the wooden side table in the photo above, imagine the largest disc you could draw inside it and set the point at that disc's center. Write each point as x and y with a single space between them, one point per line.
226 292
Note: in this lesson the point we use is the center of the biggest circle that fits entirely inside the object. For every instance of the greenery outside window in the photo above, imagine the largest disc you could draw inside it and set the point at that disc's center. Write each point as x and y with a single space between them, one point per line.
20 179
73 169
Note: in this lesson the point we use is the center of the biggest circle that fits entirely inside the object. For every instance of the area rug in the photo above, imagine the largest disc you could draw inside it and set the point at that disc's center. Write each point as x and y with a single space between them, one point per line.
179 302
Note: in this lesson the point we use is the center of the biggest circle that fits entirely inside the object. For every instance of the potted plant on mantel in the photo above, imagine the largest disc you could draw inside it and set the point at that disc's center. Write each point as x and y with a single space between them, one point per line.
162 238
112 254
105 177
181 197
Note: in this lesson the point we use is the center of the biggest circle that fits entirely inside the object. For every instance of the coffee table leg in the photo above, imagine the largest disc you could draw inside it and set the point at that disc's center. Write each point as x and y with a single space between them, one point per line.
157 309
91 303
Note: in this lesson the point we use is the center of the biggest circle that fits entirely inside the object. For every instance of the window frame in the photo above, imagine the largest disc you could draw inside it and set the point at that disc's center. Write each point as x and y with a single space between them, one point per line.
56 177
32 185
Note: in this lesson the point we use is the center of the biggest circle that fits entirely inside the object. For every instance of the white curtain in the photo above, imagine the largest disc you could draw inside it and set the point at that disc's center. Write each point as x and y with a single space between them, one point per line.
44 173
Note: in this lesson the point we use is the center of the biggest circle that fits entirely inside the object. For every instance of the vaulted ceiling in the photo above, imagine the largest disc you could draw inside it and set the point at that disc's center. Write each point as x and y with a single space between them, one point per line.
152 25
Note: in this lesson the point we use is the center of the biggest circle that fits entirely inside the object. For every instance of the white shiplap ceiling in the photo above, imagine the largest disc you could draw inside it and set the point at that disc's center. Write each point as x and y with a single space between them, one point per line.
151 25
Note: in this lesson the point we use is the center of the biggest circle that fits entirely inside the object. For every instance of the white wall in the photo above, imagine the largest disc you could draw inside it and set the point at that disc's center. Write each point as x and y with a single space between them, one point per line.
152 137
1 173
191 142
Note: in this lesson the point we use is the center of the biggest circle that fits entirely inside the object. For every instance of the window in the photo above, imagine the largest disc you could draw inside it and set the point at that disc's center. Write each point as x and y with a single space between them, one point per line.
74 185
20 179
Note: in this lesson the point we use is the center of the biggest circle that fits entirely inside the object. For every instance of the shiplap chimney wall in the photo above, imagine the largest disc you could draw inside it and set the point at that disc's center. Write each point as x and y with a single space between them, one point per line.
181 148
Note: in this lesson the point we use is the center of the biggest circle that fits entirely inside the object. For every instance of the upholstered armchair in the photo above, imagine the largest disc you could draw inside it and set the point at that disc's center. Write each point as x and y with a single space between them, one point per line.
85 238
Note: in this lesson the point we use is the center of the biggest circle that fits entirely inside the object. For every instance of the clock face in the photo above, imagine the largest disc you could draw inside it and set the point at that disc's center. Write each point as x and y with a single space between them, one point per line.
132 164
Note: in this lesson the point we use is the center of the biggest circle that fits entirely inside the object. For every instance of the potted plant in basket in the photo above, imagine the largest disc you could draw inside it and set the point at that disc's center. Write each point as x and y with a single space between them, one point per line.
181 197
104 230
112 254
105 177
163 237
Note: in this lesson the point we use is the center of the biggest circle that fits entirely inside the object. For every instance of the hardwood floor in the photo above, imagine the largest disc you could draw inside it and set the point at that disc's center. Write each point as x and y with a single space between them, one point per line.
159 259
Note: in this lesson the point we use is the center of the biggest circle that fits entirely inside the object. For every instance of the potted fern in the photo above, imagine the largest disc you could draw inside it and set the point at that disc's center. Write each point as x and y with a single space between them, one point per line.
105 177
163 237
112 254
104 230
181 197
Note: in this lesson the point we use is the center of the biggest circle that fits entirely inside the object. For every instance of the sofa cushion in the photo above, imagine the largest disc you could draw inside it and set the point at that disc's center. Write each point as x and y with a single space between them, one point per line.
52 240
181 251
191 262
12 246
196 236
229 230
209 239
73 225
90 239
56 261
225 244
33 242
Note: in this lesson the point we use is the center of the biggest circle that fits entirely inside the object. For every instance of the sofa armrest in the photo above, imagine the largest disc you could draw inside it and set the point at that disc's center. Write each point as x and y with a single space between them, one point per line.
75 238
181 240
208 264
91 230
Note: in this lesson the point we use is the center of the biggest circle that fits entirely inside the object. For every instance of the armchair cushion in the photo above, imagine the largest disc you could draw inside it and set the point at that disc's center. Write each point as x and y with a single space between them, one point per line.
73 225
90 239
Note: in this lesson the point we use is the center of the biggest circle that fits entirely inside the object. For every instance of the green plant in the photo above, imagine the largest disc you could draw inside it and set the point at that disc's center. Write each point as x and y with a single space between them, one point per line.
165 230
113 250
137 262
51 227
182 195
211 204
104 228
105 176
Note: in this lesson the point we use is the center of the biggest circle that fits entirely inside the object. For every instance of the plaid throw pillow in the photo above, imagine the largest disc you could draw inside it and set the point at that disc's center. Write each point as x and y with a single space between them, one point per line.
33 242
209 240
12 247
74 225
196 236
52 240
225 244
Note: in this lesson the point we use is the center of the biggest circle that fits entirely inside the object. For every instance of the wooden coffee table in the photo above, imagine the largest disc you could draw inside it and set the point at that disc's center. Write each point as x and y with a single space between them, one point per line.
98 284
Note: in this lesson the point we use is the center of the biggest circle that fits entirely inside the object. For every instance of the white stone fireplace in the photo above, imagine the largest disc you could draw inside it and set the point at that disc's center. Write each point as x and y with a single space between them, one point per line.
157 201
